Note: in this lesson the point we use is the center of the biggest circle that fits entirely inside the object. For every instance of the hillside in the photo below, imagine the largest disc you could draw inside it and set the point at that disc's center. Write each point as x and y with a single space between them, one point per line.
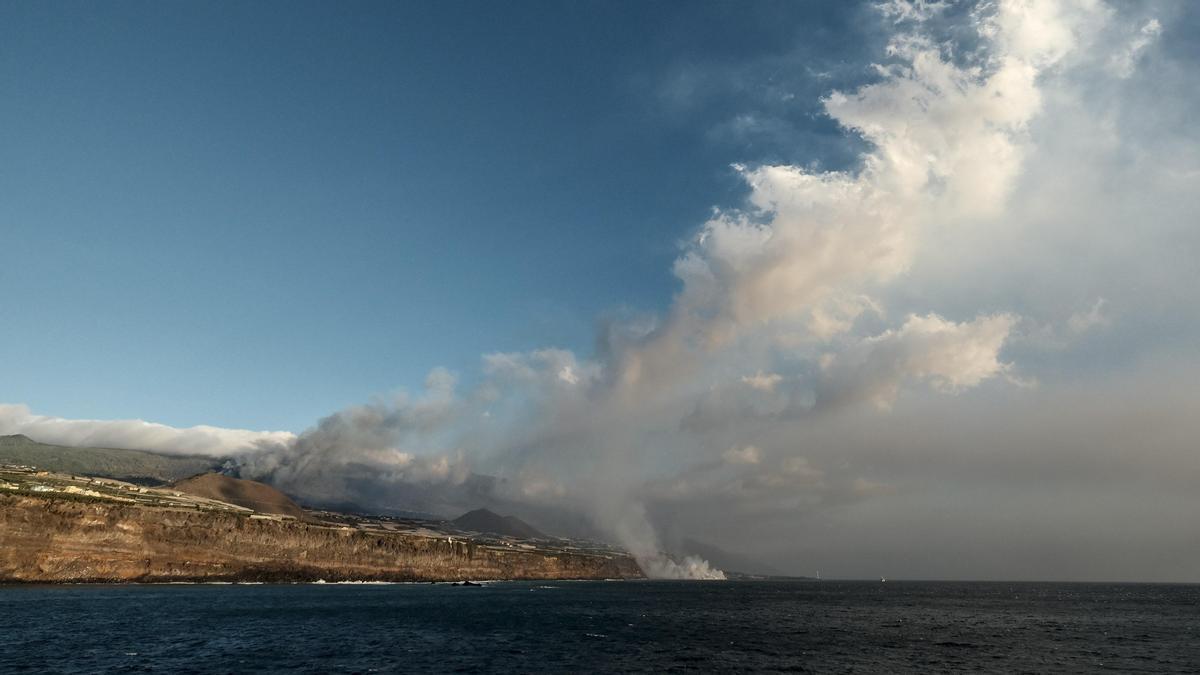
247 493
137 466
483 520
67 538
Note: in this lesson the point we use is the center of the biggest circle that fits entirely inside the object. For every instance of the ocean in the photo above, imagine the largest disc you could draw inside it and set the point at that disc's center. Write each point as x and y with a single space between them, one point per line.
574 627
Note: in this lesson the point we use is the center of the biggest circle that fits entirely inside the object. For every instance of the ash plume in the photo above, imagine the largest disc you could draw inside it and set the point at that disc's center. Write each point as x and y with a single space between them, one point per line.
768 323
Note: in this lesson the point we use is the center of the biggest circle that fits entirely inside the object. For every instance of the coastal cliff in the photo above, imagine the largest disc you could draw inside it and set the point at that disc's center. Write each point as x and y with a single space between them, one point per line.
51 539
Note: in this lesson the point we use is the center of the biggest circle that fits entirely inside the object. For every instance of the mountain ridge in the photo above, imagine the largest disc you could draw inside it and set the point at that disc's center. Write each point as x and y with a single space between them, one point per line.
484 520
135 466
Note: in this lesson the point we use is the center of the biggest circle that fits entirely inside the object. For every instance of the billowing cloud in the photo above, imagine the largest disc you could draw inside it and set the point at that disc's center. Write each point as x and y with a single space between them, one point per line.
949 356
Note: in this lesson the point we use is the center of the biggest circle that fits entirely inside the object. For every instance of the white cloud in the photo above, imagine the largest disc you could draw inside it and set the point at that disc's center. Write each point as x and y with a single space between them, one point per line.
1043 32
949 356
134 434
911 10
948 142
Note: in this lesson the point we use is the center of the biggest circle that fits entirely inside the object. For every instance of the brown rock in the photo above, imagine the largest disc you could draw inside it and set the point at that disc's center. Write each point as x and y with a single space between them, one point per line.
250 494
59 540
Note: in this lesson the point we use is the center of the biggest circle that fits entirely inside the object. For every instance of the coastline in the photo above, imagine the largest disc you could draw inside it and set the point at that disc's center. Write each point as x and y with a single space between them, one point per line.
44 539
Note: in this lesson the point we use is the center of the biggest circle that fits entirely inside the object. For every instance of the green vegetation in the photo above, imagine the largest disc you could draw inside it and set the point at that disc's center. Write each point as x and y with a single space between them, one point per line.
135 466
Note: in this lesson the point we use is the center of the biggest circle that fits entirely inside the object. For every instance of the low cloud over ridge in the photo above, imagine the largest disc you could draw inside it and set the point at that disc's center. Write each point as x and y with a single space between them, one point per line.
135 434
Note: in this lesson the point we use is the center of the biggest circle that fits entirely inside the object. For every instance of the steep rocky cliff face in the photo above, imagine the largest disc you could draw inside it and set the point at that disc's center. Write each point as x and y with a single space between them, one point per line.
60 540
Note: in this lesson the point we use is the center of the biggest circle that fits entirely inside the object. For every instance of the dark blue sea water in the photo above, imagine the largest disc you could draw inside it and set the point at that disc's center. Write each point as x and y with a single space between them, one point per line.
596 626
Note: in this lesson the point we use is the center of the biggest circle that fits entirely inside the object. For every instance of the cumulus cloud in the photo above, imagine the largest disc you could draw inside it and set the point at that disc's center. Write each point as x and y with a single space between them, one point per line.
949 356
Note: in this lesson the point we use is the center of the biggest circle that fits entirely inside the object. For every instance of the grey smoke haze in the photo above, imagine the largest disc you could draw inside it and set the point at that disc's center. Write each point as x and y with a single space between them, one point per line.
971 357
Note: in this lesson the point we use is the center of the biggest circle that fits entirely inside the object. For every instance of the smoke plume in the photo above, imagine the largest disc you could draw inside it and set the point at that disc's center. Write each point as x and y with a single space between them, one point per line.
768 323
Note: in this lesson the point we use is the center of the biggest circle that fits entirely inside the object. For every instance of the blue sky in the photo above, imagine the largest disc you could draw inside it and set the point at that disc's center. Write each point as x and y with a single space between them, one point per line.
250 214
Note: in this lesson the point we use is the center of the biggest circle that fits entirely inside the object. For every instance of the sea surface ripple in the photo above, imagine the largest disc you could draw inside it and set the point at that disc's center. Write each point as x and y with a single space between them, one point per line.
573 627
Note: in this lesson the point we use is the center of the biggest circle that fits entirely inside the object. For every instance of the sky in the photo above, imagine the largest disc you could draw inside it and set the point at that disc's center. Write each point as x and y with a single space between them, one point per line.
892 288
219 205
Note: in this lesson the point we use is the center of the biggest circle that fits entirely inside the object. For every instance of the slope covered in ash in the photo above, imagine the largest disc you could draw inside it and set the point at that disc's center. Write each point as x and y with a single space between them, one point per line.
250 494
